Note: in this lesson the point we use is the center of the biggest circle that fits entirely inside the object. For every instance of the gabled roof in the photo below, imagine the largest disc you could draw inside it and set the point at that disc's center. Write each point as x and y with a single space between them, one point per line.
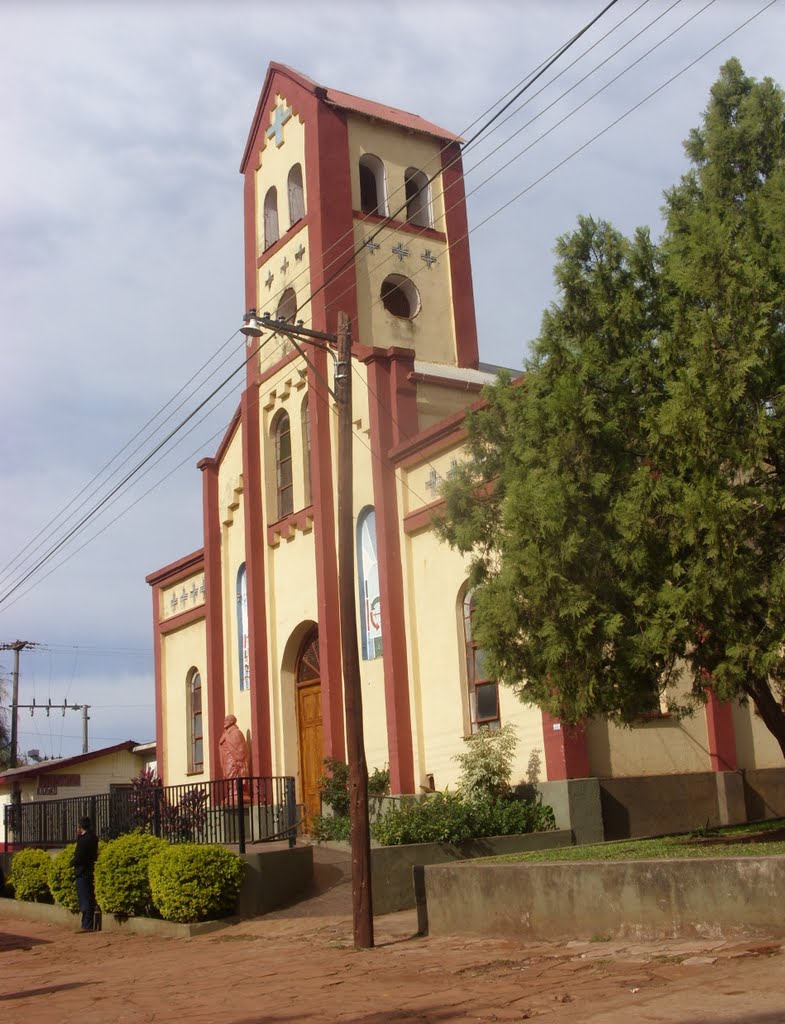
33 771
342 101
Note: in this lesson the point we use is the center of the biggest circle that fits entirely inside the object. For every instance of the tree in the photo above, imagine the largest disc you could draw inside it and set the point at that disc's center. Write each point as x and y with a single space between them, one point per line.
720 435
624 503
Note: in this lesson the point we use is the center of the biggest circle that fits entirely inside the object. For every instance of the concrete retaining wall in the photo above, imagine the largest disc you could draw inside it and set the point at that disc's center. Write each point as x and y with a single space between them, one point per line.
391 866
709 898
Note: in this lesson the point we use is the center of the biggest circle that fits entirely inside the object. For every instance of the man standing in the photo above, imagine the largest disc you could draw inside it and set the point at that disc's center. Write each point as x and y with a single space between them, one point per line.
83 862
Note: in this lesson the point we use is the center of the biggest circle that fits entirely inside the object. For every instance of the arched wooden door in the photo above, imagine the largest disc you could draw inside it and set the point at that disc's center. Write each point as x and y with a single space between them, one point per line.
309 721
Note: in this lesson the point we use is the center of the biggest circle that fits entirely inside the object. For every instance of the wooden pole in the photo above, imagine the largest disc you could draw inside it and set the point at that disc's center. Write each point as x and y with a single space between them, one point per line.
362 907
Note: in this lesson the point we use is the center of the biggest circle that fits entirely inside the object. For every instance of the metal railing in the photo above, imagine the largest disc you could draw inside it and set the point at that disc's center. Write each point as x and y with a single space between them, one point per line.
231 812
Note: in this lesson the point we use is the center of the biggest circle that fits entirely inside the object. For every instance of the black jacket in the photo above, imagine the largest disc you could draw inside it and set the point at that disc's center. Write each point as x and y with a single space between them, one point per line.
86 854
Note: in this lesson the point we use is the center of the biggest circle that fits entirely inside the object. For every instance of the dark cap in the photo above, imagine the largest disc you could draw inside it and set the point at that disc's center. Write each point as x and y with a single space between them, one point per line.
85 823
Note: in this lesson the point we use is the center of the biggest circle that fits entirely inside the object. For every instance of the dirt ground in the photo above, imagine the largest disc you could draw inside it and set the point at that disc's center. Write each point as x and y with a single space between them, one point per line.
295 966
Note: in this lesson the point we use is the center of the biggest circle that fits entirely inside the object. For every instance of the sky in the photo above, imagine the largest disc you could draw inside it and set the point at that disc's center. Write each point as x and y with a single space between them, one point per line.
121 277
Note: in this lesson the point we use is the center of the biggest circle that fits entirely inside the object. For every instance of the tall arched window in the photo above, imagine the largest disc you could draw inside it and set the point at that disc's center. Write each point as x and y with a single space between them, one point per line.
243 652
296 195
305 420
483 692
418 199
368 572
271 233
195 738
283 465
373 185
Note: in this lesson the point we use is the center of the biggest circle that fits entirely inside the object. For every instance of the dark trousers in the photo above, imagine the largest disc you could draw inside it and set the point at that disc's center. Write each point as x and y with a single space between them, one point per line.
84 892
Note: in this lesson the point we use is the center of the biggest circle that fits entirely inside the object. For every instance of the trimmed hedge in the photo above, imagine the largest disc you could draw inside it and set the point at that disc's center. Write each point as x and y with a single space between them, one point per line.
30 876
61 879
122 885
195 883
451 818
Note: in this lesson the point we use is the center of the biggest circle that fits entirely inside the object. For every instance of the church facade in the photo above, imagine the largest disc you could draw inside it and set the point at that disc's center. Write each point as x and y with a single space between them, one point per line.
352 206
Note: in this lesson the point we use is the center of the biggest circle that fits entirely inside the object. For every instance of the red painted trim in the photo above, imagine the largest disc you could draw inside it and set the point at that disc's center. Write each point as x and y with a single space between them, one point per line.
446 432
261 730
445 382
399 225
721 732
289 525
566 749
457 227
326 555
249 260
422 517
213 599
178 570
382 395
185 618
160 737
279 243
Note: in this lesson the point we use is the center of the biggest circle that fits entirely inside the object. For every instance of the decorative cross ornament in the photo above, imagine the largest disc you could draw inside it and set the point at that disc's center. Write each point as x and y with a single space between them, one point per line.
269 279
429 258
433 481
201 589
400 250
280 117
194 592
173 602
300 252
184 598
370 244
285 266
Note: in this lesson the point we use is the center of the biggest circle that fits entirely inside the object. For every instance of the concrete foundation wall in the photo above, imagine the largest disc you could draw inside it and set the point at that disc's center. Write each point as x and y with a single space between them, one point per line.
764 793
273 878
391 866
718 898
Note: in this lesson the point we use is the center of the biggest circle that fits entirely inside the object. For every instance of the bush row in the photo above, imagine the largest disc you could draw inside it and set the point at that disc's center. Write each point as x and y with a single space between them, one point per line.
138 874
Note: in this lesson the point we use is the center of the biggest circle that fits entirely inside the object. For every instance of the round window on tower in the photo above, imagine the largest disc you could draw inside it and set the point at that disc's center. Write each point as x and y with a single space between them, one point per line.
400 296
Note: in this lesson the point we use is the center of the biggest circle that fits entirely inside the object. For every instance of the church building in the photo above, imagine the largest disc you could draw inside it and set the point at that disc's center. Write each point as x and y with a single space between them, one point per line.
354 207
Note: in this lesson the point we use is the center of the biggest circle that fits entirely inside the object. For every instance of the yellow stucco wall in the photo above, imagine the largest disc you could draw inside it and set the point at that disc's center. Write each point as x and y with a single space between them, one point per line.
182 650
181 596
755 744
273 168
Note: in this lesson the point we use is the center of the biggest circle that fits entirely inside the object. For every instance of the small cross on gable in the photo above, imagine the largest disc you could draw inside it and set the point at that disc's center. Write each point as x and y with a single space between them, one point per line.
280 117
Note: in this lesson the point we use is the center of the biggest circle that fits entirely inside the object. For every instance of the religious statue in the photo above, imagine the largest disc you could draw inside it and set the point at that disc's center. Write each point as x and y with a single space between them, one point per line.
234 750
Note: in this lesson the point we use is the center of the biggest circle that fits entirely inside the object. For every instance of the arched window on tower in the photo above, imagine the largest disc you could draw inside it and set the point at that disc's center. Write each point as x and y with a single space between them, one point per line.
483 692
305 421
243 653
271 233
418 197
195 737
368 572
296 195
373 185
287 306
283 464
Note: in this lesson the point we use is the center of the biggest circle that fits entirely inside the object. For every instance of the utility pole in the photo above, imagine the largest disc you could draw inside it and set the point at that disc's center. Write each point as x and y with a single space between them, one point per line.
16 647
362 907
65 706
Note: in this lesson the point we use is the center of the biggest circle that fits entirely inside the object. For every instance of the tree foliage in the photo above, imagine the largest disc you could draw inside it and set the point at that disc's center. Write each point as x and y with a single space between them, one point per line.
624 501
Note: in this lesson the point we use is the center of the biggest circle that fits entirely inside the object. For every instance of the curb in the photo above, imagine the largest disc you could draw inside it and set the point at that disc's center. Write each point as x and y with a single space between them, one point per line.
46 913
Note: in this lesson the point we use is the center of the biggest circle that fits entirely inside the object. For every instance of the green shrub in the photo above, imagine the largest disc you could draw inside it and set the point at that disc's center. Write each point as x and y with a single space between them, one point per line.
336 827
121 882
486 763
451 818
29 876
334 786
61 879
195 883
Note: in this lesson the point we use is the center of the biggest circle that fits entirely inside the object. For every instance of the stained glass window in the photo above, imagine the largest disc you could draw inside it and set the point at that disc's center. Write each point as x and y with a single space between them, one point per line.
243 652
370 599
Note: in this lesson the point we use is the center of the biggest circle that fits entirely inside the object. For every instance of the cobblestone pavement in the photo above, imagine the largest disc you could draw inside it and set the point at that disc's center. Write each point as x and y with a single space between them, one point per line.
292 967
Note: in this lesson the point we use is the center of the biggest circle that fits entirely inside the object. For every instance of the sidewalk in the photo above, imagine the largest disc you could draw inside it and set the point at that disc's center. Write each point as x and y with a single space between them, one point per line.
292 967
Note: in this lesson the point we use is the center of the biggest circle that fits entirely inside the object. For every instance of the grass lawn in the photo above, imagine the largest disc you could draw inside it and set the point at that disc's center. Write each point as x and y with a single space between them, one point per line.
756 840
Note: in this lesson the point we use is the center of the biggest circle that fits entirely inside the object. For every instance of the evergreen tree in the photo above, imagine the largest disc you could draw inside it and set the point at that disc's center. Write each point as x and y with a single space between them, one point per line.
720 436
624 503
